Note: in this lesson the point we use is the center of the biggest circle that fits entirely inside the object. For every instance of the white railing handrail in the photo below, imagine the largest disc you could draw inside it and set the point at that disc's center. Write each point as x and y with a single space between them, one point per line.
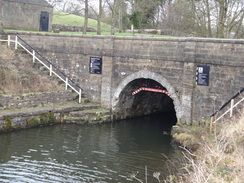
50 68
229 110
3 40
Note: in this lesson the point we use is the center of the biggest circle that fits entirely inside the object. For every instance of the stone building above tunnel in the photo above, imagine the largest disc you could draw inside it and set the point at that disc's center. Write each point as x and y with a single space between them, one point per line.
34 15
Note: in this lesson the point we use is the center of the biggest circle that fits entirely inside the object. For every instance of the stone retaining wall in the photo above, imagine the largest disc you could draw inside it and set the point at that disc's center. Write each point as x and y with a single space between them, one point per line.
70 28
34 99
80 114
169 61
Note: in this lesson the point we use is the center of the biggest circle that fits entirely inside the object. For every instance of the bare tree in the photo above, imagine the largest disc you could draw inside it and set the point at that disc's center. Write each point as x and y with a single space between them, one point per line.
99 18
177 18
98 13
144 14
204 18
54 3
118 14
86 17
69 6
218 18
111 5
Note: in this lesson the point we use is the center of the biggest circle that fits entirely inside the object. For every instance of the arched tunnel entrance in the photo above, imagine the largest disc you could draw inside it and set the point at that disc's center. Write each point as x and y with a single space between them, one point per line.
144 96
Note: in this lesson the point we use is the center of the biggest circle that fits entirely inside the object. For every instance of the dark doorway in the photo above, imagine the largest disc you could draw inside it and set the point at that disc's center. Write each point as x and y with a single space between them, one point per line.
44 21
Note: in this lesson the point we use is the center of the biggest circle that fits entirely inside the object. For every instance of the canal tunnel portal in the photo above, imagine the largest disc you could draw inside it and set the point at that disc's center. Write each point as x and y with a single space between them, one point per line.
171 62
145 93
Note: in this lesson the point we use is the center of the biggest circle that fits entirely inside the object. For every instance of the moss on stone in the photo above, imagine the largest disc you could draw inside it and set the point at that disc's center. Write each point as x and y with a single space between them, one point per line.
189 136
186 140
7 123
43 119
47 118
33 122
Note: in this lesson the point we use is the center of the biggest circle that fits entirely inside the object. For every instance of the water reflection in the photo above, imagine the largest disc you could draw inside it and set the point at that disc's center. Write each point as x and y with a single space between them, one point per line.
78 153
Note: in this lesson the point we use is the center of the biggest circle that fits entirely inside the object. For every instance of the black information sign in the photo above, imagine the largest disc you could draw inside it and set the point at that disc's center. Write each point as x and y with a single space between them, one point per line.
95 65
202 75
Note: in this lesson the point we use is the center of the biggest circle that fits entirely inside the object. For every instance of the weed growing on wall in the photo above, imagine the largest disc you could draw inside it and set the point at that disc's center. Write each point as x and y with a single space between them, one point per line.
47 118
43 119
7 123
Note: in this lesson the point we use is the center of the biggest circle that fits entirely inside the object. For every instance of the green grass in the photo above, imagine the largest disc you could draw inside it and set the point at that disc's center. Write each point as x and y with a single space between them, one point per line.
71 19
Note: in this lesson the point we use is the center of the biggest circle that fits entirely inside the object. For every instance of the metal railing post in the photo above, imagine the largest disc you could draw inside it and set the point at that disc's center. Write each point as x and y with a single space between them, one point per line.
211 123
231 107
66 84
51 69
229 110
8 40
34 55
79 96
16 42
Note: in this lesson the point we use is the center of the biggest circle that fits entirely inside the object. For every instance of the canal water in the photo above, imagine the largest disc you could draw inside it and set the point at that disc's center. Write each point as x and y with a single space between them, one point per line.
94 153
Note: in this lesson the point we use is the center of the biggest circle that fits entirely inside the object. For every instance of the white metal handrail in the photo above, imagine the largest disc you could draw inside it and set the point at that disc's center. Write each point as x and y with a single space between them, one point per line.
229 110
2 40
50 68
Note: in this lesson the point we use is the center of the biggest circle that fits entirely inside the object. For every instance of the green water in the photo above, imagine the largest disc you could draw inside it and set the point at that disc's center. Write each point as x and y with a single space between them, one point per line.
80 153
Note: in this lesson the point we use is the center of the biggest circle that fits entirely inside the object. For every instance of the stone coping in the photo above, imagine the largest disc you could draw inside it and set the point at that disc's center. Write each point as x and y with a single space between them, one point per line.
176 39
43 110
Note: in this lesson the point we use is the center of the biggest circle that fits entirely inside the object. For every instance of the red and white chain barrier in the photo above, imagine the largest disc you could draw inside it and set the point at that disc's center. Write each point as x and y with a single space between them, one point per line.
151 90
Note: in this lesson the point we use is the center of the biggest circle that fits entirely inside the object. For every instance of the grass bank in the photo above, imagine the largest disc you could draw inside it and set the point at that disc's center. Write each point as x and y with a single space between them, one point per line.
19 75
71 19
219 156
75 20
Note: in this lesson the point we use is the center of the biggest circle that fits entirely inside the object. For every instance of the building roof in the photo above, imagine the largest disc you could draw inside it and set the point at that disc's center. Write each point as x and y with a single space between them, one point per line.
35 2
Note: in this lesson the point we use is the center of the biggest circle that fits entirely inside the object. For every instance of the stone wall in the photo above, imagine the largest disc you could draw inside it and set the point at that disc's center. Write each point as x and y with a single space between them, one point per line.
170 61
28 118
225 58
1 26
176 60
34 100
71 28
23 16
1 13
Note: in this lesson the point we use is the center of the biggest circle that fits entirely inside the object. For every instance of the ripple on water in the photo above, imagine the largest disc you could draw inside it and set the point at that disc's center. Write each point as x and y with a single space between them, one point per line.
73 153
15 171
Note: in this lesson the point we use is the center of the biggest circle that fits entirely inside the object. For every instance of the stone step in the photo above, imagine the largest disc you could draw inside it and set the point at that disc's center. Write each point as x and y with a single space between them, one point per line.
93 111
37 99
94 116
34 117
43 110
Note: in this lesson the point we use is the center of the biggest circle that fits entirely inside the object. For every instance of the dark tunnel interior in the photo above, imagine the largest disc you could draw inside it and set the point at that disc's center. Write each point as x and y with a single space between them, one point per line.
144 103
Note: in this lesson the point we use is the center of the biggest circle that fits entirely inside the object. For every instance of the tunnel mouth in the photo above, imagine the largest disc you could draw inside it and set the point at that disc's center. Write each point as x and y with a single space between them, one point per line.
143 97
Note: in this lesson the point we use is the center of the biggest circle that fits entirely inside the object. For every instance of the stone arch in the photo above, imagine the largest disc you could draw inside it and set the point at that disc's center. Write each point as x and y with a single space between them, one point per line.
149 75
